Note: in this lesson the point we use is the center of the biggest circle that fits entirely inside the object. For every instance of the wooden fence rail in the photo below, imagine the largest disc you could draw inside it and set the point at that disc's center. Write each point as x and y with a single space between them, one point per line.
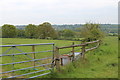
83 51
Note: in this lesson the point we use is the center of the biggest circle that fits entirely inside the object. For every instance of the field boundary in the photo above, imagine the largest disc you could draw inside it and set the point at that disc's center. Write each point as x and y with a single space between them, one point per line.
57 59
71 57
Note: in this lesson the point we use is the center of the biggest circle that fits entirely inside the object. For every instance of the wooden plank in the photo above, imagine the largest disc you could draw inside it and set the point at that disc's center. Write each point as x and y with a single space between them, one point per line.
57 60
78 44
83 51
61 61
73 52
33 50
71 46
92 42
93 48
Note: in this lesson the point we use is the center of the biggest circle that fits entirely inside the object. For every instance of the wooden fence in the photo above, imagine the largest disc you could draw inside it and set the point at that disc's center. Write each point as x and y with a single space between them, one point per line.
56 58
83 51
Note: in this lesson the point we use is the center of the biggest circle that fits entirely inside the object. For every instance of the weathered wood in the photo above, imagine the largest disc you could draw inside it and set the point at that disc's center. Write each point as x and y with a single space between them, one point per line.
33 50
71 46
79 44
73 52
61 61
57 60
83 51
92 42
93 47
53 57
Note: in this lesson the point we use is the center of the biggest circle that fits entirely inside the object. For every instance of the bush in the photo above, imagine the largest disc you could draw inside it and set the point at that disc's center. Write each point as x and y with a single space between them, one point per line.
91 32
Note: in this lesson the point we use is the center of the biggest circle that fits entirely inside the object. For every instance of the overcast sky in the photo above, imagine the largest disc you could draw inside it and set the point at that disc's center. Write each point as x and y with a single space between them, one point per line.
19 12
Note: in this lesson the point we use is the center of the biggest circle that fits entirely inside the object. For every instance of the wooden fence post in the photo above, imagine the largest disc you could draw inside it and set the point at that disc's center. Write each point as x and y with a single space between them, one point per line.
83 51
33 50
57 60
73 52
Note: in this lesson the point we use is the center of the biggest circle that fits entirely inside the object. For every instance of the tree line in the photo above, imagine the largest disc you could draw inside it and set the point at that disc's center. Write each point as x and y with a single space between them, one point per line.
45 30
41 31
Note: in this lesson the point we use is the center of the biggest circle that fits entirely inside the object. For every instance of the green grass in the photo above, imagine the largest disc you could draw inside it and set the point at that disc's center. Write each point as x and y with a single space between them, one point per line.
18 58
99 63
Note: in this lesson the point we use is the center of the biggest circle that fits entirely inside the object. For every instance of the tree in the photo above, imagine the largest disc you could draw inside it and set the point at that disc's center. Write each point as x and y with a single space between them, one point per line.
30 31
78 32
67 33
46 30
91 32
20 33
60 34
8 31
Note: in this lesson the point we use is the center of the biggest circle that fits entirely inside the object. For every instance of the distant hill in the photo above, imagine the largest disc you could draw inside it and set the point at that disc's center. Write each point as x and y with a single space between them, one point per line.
109 28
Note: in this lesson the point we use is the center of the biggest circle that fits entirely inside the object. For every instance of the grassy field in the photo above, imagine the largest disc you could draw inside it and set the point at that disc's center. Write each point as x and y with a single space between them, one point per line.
18 58
100 63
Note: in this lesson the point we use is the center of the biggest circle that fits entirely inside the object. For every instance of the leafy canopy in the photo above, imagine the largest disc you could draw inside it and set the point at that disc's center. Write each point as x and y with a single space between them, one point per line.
46 30
30 31
91 32
8 31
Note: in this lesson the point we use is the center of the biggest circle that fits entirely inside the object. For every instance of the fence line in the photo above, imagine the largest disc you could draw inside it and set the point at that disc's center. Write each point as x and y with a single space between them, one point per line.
84 50
56 58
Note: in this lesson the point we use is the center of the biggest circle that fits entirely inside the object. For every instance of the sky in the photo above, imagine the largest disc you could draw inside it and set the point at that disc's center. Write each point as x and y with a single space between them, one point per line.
23 12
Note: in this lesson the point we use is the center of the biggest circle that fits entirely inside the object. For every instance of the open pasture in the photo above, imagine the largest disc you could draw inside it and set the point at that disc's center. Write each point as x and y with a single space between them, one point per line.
99 63
27 49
